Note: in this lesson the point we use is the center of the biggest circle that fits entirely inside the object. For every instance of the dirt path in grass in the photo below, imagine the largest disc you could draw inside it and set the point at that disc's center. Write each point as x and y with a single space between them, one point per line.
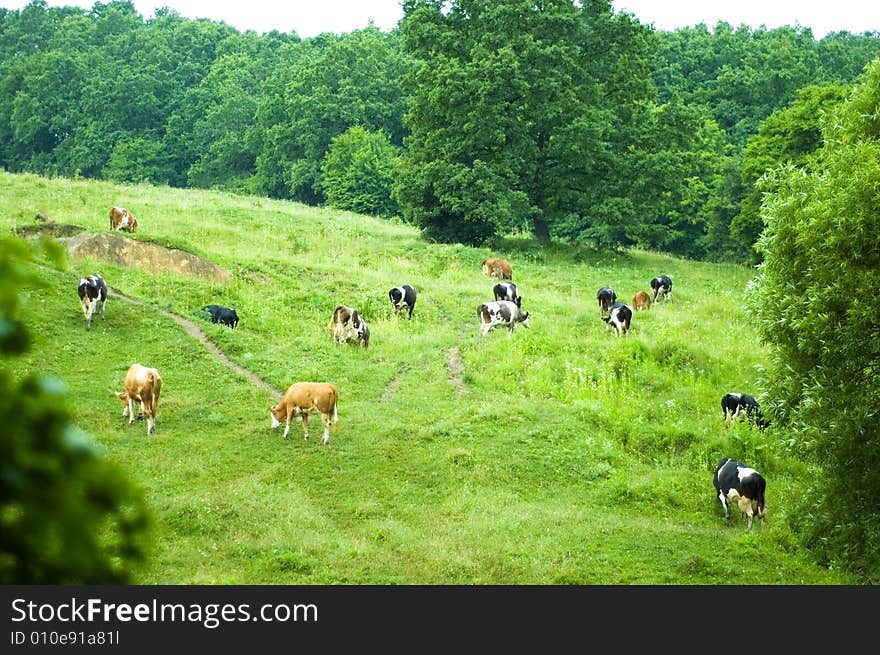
192 329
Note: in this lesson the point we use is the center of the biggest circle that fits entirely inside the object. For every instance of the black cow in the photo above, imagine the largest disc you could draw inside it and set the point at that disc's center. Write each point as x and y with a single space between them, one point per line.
403 298
222 315
742 406
734 480
619 318
92 292
662 286
507 291
606 298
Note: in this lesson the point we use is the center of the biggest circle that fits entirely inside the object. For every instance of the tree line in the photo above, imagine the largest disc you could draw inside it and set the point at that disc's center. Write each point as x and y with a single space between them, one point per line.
472 119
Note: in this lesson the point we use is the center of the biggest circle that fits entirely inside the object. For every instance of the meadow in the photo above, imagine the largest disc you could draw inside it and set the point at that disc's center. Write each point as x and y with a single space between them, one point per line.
558 455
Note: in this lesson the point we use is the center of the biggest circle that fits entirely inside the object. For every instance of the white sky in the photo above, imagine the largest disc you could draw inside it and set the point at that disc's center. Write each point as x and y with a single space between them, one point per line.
310 17
821 16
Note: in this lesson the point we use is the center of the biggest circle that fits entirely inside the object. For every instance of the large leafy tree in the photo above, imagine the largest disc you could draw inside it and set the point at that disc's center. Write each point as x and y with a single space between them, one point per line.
492 99
815 300
514 113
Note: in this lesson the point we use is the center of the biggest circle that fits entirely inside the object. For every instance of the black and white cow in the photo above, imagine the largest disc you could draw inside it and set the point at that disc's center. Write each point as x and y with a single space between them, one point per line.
606 298
734 480
222 315
619 318
507 291
92 292
403 298
501 312
742 406
662 287
348 326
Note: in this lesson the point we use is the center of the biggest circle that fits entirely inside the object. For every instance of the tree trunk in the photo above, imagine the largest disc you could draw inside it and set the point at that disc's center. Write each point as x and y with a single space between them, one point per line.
542 231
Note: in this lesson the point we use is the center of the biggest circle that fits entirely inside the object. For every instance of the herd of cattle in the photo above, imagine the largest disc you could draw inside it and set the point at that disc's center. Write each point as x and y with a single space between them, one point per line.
733 480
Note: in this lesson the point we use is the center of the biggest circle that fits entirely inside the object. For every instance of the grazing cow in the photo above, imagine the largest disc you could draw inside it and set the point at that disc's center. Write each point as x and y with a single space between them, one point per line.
507 291
304 398
734 480
742 406
500 268
501 312
403 298
141 385
222 315
92 292
606 298
122 219
348 326
642 300
619 318
662 287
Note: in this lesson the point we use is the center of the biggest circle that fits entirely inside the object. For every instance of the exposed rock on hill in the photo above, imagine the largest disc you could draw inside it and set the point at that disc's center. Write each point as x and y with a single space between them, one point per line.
143 256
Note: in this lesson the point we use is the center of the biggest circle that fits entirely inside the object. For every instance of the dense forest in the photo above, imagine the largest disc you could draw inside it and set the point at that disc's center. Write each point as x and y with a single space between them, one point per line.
478 119
473 119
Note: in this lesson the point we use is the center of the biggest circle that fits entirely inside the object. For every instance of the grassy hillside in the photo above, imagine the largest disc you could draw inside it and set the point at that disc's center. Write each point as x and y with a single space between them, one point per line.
559 455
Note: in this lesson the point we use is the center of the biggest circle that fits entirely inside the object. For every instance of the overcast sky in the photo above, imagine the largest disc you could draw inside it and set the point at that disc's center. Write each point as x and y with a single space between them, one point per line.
310 17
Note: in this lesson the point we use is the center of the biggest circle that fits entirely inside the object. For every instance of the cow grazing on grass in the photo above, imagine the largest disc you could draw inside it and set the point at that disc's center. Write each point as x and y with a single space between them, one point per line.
662 287
348 326
92 293
606 298
500 268
744 407
507 291
501 312
619 318
141 385
122 219
403 298
304 398
222 315
734 480
642 300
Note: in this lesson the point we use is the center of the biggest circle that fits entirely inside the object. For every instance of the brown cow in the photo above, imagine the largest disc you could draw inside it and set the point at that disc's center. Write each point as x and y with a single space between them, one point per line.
304 398
122 219
642 300
500 268
348 326
143 385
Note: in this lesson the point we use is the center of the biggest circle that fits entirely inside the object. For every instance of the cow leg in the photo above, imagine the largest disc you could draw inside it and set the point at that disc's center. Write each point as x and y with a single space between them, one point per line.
287 422
326 438
130 410
151 424
305 421
87 313
723 499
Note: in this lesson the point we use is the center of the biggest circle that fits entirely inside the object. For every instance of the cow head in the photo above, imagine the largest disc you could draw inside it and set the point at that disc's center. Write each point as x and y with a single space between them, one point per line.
276 414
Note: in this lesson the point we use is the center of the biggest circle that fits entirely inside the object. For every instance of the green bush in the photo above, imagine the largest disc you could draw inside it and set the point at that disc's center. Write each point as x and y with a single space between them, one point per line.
358 172
67 516
815 304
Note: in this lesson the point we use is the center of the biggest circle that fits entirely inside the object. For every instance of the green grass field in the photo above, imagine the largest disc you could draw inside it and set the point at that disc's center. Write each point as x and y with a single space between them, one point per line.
560 455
